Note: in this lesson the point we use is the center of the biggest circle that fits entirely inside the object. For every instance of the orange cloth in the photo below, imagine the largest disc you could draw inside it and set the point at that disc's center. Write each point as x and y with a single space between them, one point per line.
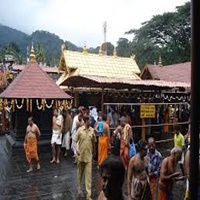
124 154
166 128
102 149
31 149
153 187
163 193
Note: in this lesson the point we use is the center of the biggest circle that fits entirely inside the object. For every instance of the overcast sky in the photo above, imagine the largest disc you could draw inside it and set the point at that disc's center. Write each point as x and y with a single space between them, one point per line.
81 21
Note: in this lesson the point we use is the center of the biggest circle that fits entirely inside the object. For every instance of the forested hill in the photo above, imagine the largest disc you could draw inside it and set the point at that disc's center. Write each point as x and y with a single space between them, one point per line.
9 35
47 45
167 35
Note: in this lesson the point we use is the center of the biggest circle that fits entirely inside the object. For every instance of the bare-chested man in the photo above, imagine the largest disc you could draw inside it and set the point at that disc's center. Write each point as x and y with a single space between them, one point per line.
30 144
138 183
56 138
168 174
127 136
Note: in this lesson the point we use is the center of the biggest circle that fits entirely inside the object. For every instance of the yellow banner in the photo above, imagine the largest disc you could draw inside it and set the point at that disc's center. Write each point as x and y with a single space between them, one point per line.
147 111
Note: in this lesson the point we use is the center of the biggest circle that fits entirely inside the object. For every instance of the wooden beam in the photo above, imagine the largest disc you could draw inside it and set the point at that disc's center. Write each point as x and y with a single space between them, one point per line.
76 96
102 100
143 133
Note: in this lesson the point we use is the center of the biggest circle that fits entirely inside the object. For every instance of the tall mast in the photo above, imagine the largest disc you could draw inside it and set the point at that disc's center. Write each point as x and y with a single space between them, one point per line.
104 34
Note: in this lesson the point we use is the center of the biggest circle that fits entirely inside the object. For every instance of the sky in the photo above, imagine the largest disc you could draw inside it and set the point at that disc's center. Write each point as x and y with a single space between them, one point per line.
81 21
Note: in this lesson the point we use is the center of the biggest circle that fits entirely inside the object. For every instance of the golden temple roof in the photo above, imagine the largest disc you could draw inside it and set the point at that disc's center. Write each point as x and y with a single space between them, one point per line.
79 63
32 54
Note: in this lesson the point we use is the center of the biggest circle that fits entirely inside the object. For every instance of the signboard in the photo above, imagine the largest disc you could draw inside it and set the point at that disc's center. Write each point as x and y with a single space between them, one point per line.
147 111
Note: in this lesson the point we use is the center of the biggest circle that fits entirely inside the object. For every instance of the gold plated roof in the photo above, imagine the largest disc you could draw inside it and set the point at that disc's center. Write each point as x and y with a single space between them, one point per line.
78 63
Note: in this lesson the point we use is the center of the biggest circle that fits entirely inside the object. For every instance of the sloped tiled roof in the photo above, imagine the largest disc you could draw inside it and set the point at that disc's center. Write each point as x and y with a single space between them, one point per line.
45 68
82 63
177 73
119 83
33 82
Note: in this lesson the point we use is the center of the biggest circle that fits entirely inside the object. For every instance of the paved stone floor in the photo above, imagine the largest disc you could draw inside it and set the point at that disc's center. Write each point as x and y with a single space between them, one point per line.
53 181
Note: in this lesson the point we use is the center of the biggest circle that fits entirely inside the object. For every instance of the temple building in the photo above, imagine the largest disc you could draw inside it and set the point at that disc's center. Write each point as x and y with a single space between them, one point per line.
180 72
31 93
114 83
94 79
86 74
12 70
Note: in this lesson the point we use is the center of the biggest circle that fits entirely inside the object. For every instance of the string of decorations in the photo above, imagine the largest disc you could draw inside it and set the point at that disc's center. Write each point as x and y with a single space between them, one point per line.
41 104
9 107
150 97
49 106
31 105
39 107
19 106
58 104
182 98
69 105
27 105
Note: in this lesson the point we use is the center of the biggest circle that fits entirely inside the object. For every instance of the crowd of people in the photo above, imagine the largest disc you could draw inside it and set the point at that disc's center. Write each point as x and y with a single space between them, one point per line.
147 174
7 72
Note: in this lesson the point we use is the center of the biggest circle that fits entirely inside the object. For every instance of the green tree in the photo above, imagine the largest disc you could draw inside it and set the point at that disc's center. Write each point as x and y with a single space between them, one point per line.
14 47
110 48
145 52
124 47
167 35
11 49
40 54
